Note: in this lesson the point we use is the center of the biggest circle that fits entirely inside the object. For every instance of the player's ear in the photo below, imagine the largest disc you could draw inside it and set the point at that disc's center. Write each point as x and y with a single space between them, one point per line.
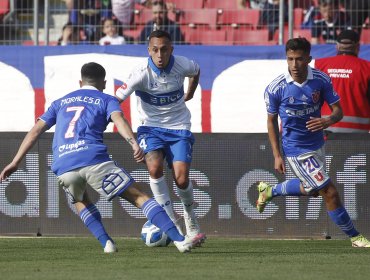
81 84
310 59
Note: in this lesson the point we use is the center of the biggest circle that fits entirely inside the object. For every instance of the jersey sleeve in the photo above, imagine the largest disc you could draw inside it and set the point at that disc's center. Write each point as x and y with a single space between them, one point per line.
129 85
330 95
190 67
112 106
271 101
50 116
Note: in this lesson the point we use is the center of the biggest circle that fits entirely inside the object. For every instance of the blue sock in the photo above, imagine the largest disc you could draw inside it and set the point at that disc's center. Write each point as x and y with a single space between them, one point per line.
92 220
158 217
289 187
341 218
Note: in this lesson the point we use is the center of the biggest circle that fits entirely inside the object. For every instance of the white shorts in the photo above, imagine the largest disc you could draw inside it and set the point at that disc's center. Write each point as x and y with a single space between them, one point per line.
310 169
106 178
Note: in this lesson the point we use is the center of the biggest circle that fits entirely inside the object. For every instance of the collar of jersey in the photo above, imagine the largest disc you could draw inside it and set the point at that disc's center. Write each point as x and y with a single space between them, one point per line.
159 71
289 78
88 87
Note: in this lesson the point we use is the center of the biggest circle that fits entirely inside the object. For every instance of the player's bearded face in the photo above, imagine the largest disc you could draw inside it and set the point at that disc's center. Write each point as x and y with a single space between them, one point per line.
298 62
160 50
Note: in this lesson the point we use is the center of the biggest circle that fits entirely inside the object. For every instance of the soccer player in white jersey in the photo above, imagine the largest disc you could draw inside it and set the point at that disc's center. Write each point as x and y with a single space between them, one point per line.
81 157
297 96
164 132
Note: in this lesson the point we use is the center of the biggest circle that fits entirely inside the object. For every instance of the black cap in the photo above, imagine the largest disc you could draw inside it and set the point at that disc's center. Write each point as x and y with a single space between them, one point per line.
348 36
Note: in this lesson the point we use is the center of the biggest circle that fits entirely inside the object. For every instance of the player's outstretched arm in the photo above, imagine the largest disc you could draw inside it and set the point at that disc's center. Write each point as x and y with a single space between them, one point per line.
193 83
29 140
273 132
124 129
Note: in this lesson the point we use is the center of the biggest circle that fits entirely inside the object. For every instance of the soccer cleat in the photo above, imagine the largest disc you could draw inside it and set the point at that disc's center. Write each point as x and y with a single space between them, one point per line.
198 239
360 241
189 242
265 195
110 247
191 224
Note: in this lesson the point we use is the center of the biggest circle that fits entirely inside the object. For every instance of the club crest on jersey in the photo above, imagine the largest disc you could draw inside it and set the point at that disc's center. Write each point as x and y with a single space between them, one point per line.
291 100
124 85
316 96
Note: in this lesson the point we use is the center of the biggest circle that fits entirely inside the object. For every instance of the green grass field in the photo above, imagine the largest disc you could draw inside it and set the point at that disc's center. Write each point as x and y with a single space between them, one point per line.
220 258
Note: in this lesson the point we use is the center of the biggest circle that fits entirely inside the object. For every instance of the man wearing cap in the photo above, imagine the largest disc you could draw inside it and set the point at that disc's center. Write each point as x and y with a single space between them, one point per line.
351 80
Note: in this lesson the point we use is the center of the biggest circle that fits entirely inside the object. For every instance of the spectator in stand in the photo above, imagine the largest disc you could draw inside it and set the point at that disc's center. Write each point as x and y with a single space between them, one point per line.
123 10
70 35
161 22
359 11
88 15
350 76
111 35
330 21
253 4
270 16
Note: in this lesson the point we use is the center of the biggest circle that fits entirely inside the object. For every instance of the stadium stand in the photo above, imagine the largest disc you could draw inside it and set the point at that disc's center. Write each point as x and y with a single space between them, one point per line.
187 5
248 18
249 37
193 16
221 4
203 18
205 37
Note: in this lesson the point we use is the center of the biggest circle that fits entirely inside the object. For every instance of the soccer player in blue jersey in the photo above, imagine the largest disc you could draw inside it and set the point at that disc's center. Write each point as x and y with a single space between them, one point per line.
296 96
81 157
164 132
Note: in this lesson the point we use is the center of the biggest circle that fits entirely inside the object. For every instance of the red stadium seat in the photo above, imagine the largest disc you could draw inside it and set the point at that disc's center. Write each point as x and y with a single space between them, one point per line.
203 17
249 37
365 36
4 7
306 33
221 4
239 18
298 17
142 16
134 32
187 4
207 37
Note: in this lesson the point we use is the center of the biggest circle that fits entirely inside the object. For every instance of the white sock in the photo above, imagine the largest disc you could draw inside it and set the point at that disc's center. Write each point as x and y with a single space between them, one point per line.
187 198
162 195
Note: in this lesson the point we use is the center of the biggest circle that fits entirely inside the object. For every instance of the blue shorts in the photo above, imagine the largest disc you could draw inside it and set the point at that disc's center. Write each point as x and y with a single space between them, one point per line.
177 144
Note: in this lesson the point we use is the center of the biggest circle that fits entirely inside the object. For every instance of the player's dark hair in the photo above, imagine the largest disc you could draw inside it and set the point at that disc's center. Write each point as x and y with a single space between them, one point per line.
160 34
298 44
92 73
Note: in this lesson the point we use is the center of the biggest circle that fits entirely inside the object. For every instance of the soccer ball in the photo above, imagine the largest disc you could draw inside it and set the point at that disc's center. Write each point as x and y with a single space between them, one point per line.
153 236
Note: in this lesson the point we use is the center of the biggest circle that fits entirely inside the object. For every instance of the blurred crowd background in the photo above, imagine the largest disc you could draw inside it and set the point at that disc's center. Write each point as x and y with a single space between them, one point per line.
193 22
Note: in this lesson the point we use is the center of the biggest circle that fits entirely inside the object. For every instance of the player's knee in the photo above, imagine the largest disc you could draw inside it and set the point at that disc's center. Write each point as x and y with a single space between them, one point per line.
330 194
155 171
181 182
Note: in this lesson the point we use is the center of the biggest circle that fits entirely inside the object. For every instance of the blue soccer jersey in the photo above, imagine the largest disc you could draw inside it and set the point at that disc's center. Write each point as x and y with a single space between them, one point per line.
80 117
296 103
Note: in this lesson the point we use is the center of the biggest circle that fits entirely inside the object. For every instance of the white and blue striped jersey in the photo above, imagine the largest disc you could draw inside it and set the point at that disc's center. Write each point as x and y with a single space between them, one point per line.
296 103
160 92
80 117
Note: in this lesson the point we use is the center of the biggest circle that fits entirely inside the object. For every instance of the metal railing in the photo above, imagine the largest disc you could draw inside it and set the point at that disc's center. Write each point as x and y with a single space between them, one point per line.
40 22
